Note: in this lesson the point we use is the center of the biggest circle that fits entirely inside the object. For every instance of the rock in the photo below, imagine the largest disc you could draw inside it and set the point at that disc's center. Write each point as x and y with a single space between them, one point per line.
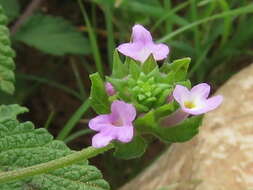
220 157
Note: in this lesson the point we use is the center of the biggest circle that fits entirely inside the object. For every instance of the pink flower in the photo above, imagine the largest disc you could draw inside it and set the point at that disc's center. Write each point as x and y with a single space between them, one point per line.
195 101
142 46
114 126
109 89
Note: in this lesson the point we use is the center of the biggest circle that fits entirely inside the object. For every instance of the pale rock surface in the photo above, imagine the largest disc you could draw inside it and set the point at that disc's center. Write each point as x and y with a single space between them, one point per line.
220 157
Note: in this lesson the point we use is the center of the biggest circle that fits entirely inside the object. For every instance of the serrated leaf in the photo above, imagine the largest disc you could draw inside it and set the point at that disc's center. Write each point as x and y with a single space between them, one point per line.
22 146
134 149
11 112
7 65
149 65
119 69
52 35
99 99
11 8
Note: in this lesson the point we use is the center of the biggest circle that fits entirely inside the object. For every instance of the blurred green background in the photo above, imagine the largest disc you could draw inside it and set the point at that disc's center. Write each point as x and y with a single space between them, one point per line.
58 43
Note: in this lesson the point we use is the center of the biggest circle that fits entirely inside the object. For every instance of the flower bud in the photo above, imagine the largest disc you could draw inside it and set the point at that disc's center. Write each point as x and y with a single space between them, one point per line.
109 89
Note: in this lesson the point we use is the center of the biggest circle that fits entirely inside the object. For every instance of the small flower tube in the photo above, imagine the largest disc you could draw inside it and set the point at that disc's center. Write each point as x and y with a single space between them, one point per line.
175 118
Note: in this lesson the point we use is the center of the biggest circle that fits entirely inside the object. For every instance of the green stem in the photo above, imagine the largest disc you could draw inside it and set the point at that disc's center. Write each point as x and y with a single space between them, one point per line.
108 11
52 165
92 38
73 120
169 14
77 134
201 58
78 78
227 22
194 16
242 10
49 120
168 23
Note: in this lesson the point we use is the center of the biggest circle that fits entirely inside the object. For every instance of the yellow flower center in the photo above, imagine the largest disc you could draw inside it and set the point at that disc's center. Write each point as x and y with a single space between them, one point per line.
189 104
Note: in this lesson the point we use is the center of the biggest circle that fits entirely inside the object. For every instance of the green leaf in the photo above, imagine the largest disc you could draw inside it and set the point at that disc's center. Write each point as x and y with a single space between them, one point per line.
52 35
182 132
134 70
11 8
119 69
7 65
149 65
22 146
134 149
186 83
177 69
11 112
99 99
164 110
164 96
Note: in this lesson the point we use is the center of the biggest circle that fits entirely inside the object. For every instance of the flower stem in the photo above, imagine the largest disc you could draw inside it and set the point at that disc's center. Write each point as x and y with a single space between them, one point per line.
52 165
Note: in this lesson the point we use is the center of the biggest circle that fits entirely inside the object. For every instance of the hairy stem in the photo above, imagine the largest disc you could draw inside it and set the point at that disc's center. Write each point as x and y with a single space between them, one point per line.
52 165
27 13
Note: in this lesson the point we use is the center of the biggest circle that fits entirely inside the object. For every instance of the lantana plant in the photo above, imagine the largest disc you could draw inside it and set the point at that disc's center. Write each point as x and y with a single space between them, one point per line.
145 97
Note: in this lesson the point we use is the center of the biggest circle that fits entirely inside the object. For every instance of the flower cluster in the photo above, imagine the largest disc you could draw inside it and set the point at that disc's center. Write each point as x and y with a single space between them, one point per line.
147 92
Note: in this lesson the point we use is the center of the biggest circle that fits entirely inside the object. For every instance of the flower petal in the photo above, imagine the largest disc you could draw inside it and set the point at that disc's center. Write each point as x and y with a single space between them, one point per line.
201 90
141 34
100 140
130 49
195 111
159 51
99 122
125 133
180 94
123 111
214 102
210 104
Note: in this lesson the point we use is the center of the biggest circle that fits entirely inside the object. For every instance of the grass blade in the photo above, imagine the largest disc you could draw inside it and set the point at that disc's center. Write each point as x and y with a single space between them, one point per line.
234 12
73 120
93 39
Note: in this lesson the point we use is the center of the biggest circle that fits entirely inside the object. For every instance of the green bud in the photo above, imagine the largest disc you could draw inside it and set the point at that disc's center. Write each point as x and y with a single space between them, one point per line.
141 97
